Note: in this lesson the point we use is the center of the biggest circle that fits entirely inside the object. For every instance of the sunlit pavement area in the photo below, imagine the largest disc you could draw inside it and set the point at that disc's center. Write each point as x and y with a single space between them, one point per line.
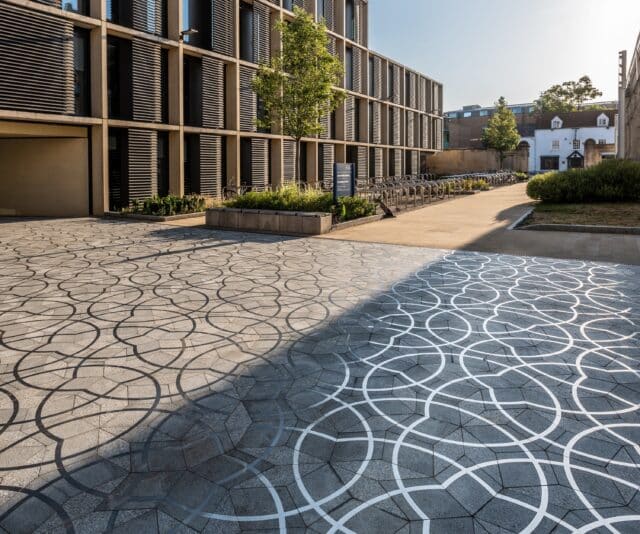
166 379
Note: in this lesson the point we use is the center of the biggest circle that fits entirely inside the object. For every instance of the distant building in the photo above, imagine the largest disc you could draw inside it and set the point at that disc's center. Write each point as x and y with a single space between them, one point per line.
463 128
631 124
564 141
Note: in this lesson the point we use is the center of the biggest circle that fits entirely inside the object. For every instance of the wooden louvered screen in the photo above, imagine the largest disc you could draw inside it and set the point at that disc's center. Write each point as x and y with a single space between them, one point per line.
326 159
332 46
329 15
259 164
410 129
149 16
423 94
36 62
414 162
143 165
377 82
145 77
358 22
307 5
412 91
397 94
397 158
289 161
363 163
248 101
396 127
425 131
350 114
379 162
222 24
438 134
261 33
210 165
357 70
435 104
213 104
325 122
377 123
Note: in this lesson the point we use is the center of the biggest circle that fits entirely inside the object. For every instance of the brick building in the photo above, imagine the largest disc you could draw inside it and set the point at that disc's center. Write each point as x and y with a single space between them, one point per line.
107 101
632 107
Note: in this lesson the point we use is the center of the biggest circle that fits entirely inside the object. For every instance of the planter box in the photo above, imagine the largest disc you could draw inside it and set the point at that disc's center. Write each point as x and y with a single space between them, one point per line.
153 218
272 222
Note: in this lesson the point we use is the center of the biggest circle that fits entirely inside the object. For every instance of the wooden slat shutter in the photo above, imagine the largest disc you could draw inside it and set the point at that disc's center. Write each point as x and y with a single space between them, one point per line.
289 161
36 62
350 112
357 70
261 33
379 161
363 163
377 123
213 104
326 159
248 101
259 164
143 164
210 165
222 24
145 74
149 16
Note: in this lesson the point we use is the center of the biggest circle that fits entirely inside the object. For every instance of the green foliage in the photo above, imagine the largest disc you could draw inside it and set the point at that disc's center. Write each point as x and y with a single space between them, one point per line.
521 176
567 97
501 132
169 205
475 184
609 181
297 87
292 198
287 198
350 208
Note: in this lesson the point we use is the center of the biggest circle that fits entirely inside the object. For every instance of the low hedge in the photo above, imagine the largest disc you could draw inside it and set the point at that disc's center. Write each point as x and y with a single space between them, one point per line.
291 198
609 181
167 206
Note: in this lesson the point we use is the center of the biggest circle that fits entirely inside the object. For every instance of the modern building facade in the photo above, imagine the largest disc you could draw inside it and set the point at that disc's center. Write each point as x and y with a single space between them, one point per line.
571 140
631 124
463 128
103 102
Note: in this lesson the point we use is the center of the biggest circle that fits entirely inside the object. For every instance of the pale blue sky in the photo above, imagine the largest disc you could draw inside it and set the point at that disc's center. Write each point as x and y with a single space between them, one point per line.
482 49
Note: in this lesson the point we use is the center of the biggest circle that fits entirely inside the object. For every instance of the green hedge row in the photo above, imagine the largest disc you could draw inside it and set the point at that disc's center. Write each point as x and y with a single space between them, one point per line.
609 181
291 198
169 205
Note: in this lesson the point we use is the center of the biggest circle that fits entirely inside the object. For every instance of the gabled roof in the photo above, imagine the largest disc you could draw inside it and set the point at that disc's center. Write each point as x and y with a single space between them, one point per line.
576 119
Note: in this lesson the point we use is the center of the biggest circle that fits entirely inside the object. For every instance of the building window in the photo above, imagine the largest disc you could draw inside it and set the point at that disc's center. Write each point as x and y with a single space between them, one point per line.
602 141
321 13
120 12
77 6
287 4
484 112
350 20
164 84
246 32
356 119
348 68
603 122
371 126
392 131
392 163
549 163
467 114
192 93
391 83
556 123
555 144
407 89
118 169
197 15
372 162
81 74
577 144
119 78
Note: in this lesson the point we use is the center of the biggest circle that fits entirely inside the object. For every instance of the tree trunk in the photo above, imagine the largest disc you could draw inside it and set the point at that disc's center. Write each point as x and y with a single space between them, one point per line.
298 160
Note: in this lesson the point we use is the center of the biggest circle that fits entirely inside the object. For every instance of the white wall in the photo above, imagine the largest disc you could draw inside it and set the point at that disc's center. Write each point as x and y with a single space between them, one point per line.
544 142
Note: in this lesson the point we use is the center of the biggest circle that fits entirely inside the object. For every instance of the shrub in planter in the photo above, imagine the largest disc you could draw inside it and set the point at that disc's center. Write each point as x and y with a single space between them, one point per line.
169 205
609 181
286 198
350 208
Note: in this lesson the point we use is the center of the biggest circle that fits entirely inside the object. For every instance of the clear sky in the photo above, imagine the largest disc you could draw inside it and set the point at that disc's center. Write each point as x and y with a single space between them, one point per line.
482 49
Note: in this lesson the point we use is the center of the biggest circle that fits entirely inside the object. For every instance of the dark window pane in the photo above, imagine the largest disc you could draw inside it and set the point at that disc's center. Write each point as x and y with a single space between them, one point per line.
246 32
81 72
77 6
163 164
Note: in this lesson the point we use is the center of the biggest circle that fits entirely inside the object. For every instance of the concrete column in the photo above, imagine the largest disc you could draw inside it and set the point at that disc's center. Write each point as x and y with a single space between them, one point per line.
233 161
312 163
99 168
176 165
276 161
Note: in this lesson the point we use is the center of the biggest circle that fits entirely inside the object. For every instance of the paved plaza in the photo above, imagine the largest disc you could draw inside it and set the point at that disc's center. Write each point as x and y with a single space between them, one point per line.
167 379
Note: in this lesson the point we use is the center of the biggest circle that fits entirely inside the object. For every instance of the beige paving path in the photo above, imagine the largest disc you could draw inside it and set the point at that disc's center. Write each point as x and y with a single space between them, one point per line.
480 223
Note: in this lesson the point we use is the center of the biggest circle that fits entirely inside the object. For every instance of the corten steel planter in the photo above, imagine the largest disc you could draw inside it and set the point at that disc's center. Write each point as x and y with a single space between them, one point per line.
267 221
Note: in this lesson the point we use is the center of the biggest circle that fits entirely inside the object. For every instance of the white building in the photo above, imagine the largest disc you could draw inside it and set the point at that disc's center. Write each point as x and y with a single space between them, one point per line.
571 140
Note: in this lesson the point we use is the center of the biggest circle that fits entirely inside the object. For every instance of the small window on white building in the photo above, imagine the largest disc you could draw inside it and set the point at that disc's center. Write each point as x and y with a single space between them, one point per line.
576 144
603 121
467 114
602 141
555 144
556 123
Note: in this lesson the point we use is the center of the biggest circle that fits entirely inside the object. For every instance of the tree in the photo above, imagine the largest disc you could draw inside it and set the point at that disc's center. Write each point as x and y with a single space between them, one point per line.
566 97
501 133
297 88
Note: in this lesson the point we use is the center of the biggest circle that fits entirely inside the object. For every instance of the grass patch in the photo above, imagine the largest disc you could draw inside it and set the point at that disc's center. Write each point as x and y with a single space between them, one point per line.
597 214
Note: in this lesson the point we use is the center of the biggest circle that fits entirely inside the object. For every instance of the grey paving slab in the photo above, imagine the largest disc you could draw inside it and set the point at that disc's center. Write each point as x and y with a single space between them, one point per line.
156 378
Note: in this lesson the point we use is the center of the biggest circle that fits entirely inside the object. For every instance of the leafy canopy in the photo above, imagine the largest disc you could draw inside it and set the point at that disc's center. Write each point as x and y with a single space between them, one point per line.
567 97
297 87
501 133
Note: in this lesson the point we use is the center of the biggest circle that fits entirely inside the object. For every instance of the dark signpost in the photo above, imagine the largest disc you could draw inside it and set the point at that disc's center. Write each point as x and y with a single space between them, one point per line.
344 180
